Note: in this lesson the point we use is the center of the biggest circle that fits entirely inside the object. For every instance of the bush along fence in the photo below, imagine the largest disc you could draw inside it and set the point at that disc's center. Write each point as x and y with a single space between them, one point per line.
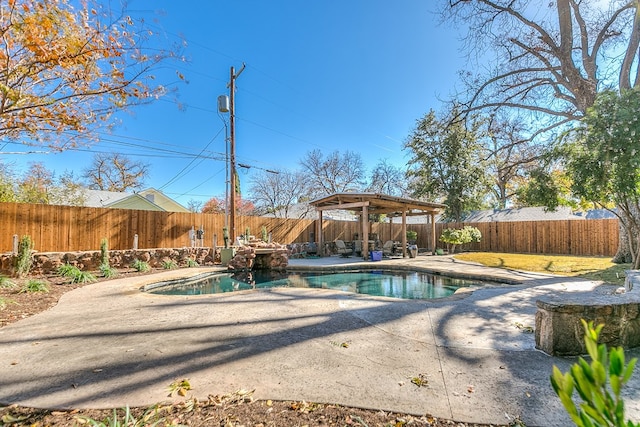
69 228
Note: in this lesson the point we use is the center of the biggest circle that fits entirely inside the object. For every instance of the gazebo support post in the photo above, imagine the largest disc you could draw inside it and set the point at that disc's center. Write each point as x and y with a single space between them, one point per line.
433 234
319 234
365 232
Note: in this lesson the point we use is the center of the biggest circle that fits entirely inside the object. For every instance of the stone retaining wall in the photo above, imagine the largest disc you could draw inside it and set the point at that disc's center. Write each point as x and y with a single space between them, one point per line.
559 331
46 263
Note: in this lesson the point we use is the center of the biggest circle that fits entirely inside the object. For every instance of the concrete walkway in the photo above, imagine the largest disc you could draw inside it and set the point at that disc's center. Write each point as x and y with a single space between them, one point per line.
110 345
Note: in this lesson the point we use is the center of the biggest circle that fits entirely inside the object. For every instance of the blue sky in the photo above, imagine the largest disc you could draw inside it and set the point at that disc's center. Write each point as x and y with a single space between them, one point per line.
331 75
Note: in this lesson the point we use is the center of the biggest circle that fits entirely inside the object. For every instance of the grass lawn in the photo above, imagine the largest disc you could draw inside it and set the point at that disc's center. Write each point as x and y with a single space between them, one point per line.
593 268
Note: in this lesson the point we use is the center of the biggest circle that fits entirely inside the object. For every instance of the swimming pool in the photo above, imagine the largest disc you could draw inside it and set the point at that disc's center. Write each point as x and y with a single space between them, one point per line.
394 284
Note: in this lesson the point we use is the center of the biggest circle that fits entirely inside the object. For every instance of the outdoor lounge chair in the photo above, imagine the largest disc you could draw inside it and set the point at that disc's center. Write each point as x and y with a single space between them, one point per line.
342 248
387 248
357 247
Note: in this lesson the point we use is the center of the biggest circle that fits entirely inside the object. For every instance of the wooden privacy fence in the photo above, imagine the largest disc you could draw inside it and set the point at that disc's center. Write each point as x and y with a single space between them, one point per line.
565 237
70 228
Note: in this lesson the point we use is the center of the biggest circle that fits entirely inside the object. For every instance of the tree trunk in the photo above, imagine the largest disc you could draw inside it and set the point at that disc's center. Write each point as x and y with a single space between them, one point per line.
629 243
623 255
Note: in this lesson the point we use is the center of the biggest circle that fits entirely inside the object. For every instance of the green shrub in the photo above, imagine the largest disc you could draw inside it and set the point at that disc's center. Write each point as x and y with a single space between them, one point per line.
35 286
24 260
599 408
4 302
460 236
107 271
150 418
66 270
75 274
6 283
104 252
141 266
83 277
169 264
192 263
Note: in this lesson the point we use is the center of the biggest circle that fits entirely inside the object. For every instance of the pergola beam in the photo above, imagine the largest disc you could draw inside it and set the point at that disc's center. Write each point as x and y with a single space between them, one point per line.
343 206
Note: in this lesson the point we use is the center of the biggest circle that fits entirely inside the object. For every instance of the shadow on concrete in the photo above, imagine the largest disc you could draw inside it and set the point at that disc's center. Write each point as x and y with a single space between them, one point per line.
118 344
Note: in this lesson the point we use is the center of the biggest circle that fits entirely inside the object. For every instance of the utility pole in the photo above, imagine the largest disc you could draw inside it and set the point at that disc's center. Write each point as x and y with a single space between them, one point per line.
232 151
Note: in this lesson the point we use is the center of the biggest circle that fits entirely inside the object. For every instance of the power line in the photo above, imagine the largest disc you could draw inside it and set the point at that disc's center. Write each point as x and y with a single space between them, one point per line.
180 174
201 184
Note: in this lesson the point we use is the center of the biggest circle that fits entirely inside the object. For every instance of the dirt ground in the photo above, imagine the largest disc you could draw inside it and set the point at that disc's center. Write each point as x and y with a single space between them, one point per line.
235 409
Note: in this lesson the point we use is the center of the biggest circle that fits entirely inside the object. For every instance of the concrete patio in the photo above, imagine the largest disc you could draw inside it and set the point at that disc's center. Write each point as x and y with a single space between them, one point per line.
109 345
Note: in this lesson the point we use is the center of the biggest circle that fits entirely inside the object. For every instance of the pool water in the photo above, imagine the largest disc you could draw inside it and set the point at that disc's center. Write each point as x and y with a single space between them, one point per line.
396 284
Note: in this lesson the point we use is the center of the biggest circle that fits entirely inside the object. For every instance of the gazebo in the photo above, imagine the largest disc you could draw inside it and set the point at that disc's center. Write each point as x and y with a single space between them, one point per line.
376 203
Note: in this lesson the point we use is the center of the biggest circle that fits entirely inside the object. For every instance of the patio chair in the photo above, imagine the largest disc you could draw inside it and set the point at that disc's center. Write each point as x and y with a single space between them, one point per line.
342 248
387 248
357 247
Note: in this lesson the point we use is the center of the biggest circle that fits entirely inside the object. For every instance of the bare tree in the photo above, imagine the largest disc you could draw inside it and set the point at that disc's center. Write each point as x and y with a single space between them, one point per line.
335 173
115 172
278 192
551 60
36 184
195 205
388 179
509 155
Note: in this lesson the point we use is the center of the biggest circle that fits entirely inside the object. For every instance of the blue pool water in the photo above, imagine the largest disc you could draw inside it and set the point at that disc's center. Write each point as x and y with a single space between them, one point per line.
396 284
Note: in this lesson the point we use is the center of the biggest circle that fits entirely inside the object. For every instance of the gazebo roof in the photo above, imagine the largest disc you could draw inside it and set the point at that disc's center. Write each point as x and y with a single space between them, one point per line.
376 204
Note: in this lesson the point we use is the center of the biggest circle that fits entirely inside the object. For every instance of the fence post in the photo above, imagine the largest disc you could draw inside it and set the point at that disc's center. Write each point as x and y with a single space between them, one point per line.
135 241
15 243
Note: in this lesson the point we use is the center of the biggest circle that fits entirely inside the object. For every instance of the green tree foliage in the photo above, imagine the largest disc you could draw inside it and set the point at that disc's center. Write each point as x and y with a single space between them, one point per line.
446 164
599 384
40 185
546 186
7 184
459 236
603 159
